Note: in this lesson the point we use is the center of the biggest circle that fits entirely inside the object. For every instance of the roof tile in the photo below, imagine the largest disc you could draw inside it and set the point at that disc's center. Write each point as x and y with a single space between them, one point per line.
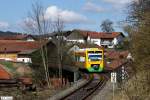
96 35
18 46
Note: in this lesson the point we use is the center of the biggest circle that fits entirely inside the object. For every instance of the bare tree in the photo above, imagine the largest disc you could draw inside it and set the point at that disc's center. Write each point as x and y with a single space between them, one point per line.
58 27
139 19
37 23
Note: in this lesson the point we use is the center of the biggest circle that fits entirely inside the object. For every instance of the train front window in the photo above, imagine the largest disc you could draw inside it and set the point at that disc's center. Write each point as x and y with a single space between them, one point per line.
94 57
95 52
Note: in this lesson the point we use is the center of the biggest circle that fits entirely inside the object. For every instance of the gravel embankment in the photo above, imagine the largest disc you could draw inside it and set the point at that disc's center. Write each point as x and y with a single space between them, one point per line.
107 93
64 93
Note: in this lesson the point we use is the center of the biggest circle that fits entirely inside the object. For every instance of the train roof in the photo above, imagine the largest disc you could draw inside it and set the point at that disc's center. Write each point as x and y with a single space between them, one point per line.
88 49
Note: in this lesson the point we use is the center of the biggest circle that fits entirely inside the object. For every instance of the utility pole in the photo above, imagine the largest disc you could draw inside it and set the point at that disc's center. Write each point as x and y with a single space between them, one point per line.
113 80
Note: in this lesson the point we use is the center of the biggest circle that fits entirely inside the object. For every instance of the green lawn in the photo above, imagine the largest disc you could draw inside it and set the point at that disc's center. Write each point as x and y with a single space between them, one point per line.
8 65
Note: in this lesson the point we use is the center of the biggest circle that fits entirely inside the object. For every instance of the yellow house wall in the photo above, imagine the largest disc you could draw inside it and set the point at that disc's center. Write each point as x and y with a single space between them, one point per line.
9 55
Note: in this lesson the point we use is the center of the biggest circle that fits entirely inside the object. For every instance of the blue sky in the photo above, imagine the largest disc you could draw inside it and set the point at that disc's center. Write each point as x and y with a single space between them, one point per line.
77 14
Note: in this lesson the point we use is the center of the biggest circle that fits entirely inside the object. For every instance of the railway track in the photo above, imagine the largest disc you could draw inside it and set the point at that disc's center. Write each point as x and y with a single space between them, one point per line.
87 90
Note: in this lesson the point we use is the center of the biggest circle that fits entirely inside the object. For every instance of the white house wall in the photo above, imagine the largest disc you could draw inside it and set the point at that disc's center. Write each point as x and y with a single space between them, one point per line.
30 40
101 42
7 59
96 41
115 41
79 40
25 60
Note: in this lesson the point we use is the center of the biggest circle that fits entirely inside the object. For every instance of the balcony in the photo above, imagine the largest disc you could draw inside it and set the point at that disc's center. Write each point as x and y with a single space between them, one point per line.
106 43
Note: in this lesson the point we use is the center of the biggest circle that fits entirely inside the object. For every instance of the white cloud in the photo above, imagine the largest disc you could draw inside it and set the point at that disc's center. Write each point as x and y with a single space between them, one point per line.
91 7
118 1
67 16
3 25
119 4
136 1
28 22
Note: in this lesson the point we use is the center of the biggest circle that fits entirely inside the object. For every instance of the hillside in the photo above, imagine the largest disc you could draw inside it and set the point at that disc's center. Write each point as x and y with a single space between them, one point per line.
8 33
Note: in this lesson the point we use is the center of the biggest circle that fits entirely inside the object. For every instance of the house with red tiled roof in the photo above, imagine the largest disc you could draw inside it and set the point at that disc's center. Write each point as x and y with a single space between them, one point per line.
115 58
77 46
23 37
100 38
15 50
3 73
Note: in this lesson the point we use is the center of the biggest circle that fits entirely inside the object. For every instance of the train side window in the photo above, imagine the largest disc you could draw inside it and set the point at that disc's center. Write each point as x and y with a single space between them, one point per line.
82 59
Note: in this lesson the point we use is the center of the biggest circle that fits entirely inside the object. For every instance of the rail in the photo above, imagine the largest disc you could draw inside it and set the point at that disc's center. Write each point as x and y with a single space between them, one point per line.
87 90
